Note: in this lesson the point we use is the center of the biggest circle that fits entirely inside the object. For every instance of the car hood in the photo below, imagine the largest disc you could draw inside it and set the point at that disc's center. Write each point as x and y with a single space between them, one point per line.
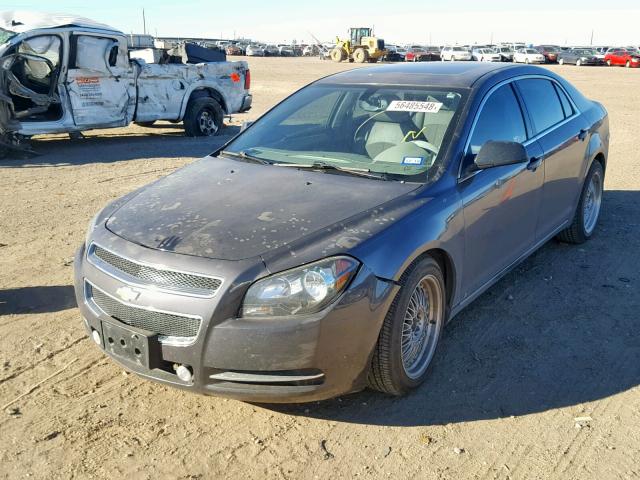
231 210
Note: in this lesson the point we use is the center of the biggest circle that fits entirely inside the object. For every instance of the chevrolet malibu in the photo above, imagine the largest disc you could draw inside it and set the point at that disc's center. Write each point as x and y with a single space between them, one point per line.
324 248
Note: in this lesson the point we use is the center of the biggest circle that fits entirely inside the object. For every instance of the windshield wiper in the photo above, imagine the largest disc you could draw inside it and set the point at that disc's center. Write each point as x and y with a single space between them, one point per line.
359 172
245 156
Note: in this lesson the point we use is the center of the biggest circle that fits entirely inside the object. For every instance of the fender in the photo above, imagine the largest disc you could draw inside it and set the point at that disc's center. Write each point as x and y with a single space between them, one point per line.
210 89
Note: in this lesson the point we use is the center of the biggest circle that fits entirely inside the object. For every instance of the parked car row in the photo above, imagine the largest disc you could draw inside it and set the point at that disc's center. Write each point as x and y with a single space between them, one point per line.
519 53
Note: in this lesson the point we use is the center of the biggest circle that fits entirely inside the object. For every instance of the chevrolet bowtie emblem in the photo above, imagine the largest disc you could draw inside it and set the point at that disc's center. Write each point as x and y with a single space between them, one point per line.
127 294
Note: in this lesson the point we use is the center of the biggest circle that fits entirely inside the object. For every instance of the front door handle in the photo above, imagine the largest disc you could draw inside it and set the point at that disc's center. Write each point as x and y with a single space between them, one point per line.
534 163
583 134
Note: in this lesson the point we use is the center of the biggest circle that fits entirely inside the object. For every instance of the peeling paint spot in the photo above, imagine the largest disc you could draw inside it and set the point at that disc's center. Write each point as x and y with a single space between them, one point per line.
266 216
172 207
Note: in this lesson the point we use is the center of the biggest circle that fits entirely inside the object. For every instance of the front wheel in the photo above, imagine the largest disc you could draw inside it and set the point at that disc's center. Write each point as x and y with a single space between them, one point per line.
588 211
203 118
410 332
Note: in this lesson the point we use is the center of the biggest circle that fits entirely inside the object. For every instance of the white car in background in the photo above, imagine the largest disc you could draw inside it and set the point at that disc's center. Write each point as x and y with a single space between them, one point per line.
528 55
255 51
453 54
285 50
485 55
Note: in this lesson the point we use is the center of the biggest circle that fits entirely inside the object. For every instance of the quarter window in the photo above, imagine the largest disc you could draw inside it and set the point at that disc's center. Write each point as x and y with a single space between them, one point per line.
542 102
566 105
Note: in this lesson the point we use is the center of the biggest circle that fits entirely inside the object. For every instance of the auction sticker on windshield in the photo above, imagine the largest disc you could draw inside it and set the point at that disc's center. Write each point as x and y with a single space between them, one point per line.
414 106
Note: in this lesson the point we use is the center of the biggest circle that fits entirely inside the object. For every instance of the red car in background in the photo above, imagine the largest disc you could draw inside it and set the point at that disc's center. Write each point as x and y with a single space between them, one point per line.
622 56
550 52
419 53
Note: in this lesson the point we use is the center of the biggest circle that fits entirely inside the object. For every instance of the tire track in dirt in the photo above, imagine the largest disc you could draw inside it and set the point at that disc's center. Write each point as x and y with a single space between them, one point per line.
49 356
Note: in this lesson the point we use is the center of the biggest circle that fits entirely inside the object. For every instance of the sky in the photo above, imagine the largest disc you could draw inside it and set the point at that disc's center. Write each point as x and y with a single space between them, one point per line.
423 21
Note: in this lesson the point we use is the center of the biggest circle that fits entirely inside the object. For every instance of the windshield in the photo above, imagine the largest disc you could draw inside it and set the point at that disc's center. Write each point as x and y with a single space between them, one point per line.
5 35
391 130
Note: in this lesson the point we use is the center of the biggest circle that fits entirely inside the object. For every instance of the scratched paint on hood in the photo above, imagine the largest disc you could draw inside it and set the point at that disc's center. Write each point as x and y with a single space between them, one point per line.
225 209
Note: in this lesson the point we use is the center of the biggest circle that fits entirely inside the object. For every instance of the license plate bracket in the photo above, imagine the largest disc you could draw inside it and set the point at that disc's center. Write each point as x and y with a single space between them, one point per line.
134 345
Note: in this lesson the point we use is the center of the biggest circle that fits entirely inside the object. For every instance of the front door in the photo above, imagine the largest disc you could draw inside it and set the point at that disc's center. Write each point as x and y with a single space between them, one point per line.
100 81
500 204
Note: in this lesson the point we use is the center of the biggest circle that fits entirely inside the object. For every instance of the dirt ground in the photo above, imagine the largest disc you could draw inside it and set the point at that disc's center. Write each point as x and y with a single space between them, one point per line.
539 378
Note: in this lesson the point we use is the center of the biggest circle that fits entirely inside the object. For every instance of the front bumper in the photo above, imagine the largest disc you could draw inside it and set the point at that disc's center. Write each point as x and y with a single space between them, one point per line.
272 360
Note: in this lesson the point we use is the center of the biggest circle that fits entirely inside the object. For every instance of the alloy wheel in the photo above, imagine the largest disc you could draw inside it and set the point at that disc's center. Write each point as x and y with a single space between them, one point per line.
207 123
592 203
423 321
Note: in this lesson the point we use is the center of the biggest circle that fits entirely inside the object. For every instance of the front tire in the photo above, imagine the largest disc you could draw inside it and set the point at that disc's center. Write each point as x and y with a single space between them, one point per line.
338 55
588 211
203 118
410 332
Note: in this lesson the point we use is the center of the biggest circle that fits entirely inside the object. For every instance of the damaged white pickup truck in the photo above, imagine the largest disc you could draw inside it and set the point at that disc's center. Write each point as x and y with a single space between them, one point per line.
69 74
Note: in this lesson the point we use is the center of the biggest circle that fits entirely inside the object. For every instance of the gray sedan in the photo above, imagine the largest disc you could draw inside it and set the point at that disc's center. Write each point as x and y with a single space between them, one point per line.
325 247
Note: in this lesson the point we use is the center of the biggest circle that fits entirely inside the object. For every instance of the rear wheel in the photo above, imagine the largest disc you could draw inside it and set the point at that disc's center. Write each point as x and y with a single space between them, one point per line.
204 118
410 332
588 211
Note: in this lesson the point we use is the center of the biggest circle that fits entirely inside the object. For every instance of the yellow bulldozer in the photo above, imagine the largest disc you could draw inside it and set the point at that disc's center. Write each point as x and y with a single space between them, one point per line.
361 47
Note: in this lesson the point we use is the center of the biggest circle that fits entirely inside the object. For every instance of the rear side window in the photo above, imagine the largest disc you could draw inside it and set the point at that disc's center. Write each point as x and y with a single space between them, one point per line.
500 120
543 103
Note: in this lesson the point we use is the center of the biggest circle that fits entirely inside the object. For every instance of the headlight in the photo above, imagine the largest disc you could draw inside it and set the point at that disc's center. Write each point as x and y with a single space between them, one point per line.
303 290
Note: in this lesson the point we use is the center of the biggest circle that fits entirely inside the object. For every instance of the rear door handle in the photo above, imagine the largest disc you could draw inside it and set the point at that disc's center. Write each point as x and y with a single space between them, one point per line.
534 163
583 133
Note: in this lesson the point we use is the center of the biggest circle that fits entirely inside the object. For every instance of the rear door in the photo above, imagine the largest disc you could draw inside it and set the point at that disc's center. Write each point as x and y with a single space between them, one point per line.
561 132
100 81
500 204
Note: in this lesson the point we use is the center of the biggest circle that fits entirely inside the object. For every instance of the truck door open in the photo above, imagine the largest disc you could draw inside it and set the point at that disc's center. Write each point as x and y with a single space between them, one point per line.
100 81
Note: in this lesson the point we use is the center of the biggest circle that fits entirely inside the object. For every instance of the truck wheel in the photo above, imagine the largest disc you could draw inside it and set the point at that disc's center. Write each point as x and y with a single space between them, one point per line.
145 124
410 332
337 55
360 55
203 118
588 211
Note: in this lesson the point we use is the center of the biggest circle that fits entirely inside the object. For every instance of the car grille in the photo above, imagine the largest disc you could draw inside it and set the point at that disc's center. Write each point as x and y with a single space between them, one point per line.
164 324
168 279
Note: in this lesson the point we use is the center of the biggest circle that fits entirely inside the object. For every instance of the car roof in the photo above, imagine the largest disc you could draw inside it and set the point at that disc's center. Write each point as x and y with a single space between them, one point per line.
460 75
19 21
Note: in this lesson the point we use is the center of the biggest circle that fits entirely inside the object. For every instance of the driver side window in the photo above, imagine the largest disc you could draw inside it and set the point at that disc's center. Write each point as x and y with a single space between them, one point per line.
500 120
37 72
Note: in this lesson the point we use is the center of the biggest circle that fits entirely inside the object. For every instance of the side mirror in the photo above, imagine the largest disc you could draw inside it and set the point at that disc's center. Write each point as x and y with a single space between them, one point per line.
496 154
245 125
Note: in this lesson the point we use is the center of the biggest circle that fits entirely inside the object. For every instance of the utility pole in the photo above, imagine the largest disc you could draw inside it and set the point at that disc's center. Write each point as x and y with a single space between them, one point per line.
144 23
591 43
